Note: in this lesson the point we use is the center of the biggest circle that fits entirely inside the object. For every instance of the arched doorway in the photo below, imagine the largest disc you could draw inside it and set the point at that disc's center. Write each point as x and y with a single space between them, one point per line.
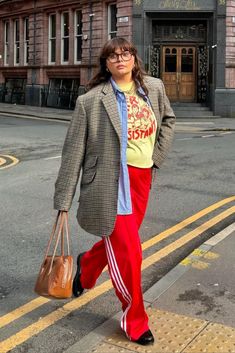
179 56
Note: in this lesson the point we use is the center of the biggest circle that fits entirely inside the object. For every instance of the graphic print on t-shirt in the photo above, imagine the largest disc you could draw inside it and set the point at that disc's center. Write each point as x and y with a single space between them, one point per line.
141 120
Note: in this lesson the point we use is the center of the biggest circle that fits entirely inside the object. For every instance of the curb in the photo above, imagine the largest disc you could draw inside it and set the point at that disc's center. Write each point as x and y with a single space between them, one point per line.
109 327
36 116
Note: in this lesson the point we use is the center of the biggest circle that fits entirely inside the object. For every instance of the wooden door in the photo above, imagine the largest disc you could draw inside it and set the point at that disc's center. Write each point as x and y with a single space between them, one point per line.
178 73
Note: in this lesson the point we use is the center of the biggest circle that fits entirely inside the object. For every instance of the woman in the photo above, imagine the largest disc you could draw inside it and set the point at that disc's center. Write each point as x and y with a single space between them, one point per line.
120 133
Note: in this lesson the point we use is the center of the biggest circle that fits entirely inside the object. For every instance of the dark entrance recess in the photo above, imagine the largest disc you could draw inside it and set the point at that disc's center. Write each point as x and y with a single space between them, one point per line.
179 56
13 91
61 93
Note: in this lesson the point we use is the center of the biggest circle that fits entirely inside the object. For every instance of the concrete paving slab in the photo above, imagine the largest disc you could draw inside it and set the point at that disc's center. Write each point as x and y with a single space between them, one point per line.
214 338
174 333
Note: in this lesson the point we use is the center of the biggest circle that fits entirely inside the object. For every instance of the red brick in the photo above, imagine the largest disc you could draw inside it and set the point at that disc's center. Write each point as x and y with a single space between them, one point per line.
38 52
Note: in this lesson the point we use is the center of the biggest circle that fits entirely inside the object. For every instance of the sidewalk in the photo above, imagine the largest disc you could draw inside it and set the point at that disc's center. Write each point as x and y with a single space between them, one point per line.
182 125
37 112
191 309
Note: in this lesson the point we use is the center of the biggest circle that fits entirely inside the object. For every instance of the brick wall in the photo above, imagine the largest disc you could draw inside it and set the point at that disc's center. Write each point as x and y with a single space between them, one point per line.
99 30
125 10
230 44
39 71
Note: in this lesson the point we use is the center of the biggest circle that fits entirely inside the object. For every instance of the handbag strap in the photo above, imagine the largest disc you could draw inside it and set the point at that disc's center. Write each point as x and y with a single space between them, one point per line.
66 227
57 241
67 232
60 234
52 234
62 242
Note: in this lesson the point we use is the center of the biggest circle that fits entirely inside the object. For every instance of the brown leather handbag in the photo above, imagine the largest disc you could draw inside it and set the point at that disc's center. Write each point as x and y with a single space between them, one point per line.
55 276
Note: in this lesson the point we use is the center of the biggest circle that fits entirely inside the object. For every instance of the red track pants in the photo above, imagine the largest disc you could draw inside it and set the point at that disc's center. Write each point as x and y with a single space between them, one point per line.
123 254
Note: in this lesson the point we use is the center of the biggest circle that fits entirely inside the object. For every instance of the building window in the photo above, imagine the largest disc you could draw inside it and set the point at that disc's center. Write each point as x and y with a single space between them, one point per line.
6 43
26 41
112 21
52 39
65 37
78 36
16 42
195 31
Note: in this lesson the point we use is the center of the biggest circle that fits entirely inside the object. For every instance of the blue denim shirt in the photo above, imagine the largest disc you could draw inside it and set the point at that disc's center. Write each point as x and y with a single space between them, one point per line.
124 195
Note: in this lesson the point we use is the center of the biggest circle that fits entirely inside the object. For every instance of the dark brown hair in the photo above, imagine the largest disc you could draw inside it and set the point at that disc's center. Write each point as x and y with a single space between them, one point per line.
109 47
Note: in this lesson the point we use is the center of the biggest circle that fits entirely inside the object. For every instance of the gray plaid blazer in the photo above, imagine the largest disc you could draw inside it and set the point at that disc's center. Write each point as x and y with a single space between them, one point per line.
92 144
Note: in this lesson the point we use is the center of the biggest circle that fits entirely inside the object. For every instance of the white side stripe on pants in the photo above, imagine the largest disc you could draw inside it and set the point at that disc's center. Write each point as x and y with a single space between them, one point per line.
117 278
113 261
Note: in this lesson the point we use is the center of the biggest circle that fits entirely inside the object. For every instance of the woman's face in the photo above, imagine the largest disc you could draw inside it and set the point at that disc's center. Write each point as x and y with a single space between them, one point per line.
120 64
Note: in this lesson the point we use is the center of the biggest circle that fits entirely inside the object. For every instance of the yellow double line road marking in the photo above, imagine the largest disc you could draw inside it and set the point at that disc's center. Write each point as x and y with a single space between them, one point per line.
36 303
75 304
186 238
183 224
22 310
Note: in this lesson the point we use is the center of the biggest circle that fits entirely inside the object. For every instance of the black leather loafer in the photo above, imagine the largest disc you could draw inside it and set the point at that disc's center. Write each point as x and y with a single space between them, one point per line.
145 339
77 287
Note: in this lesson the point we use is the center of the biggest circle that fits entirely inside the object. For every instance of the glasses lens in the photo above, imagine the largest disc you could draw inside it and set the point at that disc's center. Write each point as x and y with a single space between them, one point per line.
113 57
126 55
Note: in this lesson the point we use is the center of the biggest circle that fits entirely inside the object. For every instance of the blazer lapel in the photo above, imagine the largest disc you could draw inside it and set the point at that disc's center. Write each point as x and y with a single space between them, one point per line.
111 107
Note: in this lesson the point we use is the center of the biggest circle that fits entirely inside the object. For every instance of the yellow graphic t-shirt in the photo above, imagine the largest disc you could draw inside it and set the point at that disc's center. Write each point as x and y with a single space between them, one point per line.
142 126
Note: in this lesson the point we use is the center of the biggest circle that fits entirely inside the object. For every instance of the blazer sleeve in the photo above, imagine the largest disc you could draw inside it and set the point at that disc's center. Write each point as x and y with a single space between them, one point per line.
166 132
72 159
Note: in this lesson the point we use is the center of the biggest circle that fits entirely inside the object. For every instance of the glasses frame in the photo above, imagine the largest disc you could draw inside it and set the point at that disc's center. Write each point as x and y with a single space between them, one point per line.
120 55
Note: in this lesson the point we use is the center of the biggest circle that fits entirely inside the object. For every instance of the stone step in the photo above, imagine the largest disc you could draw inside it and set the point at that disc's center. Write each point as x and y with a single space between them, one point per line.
198 108
193 113
179 104
194 110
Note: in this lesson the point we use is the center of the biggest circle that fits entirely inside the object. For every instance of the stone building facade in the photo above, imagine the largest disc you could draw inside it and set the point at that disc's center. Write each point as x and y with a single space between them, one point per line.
190 45
49 48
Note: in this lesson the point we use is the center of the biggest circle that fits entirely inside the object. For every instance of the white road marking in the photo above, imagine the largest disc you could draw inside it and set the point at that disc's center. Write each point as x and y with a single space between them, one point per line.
185 138
205 136
55 157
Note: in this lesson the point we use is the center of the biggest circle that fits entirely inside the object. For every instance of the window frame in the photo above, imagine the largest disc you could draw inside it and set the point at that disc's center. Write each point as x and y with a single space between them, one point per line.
110 31
26 40
76 36
16 42
63 38
6 42
51 39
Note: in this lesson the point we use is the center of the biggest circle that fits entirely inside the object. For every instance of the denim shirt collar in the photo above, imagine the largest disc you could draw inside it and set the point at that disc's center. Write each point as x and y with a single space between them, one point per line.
117 90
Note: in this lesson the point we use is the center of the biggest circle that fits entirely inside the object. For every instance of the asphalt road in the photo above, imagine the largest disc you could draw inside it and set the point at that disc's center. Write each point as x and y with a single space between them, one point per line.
198 173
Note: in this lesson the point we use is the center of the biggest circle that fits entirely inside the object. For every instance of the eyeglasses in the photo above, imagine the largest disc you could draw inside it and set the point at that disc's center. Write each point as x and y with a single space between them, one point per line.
114 57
